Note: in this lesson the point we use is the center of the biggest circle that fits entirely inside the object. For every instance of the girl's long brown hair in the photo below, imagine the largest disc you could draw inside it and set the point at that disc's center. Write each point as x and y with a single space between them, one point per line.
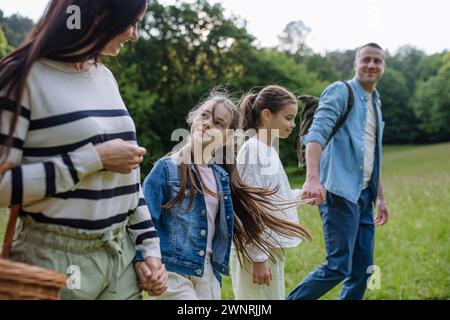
101 20
252 206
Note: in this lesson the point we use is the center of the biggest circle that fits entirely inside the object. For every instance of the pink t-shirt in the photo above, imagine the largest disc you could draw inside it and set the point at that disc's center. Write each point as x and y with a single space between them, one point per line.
212 203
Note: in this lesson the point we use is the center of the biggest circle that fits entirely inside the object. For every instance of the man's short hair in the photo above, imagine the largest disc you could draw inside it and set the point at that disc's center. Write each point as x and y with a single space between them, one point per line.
370 44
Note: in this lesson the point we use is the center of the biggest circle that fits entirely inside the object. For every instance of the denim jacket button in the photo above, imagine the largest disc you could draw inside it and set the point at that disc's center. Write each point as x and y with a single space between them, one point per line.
223 179
199 272
201 253
203 232
225 197
228 217
203 211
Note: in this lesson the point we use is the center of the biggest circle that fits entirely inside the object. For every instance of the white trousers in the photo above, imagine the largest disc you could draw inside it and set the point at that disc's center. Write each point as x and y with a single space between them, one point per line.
242 279
184 287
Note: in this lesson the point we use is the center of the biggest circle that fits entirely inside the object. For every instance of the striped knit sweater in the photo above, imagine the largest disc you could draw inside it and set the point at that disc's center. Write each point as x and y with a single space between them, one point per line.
59 178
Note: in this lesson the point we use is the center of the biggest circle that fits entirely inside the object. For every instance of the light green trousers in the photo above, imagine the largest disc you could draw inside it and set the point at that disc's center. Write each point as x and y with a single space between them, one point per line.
98 265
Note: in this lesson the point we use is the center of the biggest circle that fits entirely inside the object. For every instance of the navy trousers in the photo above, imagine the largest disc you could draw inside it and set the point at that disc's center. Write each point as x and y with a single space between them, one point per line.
349 231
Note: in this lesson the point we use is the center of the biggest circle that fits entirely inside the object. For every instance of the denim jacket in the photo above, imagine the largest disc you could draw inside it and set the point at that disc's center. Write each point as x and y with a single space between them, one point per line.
342 161
183 232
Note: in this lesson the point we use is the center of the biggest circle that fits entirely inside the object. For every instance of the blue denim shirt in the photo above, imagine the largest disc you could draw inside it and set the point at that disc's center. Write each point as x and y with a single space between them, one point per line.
181 231
342 161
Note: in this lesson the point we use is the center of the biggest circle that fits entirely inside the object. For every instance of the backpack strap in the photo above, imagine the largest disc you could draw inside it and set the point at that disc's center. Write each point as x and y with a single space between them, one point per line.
350 102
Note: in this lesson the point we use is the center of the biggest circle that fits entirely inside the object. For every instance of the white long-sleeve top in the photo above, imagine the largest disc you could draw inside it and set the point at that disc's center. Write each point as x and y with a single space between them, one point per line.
58 176
259 165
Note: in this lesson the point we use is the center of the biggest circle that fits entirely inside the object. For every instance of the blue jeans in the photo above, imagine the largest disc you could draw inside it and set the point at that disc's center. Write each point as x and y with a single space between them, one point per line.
348 230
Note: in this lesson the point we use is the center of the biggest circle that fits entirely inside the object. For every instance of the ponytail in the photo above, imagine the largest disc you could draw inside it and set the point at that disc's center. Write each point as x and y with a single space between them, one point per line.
273 98
248 116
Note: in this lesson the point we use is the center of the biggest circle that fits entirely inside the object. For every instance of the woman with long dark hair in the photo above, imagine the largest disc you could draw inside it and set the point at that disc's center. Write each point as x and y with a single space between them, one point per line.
71 143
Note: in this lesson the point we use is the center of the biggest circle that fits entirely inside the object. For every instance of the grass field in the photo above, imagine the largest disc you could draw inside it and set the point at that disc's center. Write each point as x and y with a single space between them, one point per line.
412 250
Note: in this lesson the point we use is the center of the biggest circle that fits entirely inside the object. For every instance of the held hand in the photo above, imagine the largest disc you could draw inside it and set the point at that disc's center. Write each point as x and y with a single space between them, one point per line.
120 156
142 272
383 214
261 273
312 189
305 200
5 167
152 276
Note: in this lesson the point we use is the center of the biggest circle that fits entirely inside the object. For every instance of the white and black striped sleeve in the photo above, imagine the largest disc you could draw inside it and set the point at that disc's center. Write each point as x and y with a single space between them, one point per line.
26 183
143 231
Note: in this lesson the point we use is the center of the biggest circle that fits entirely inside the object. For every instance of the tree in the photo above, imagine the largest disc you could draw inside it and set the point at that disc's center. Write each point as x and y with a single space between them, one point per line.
407 60
15 28
4 47
343 62
185 50
293 38
429 66
323 66
432 103
401 122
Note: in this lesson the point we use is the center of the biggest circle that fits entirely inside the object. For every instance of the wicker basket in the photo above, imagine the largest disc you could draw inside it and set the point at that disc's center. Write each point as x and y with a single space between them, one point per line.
20 281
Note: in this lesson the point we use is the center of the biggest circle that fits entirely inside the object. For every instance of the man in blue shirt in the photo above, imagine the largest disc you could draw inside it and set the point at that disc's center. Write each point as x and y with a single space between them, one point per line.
344 178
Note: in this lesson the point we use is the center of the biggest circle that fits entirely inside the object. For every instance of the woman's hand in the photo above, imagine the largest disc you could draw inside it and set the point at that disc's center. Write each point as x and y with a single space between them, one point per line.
152 276
120 156
261 273
5 166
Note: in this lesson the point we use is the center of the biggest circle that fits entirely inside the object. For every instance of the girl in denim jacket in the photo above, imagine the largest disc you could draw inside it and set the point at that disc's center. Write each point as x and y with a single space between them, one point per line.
199 206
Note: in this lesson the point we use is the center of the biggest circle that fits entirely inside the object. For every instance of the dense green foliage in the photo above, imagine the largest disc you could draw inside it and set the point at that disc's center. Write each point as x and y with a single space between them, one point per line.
4 47
15 28
186 49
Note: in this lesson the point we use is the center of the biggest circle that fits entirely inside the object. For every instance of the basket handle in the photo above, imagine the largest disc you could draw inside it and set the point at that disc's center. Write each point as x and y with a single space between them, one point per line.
10 229
11 226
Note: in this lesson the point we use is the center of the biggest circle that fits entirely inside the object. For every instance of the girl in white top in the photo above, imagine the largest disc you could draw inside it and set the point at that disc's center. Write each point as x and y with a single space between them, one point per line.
271 115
